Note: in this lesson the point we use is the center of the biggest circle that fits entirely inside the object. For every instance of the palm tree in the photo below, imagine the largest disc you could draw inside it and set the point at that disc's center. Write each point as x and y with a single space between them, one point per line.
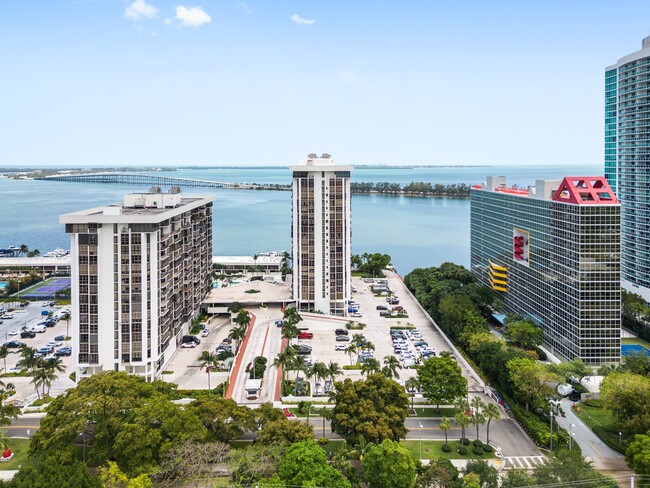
237 334
291 315
491 412
4 352
54 364
29 358
243 319
350 350
412 383
391 365
44 377
334 370
370 366
283 360
445 425
299 364
308 406
319 370
23 249
462 421
208 359
289 331
359 340
477 417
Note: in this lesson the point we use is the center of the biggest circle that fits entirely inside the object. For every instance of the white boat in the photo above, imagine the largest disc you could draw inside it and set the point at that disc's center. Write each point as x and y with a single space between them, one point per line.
57 253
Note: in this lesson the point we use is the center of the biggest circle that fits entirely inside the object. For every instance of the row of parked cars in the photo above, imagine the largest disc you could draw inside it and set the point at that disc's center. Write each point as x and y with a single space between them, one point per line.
402 347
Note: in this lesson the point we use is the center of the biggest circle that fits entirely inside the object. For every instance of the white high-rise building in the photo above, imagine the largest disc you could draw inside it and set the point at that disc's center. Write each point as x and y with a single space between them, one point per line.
322 235
140 271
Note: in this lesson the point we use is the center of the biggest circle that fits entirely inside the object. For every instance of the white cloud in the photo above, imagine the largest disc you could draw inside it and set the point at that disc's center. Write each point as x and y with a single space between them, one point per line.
192 16
297 19
347 76
245 7
140 10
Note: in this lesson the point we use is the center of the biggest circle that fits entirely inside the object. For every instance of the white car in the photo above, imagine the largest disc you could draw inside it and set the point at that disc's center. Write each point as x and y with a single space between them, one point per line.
7 315
189 344
54 344
340 347
14 333
205 332
356 314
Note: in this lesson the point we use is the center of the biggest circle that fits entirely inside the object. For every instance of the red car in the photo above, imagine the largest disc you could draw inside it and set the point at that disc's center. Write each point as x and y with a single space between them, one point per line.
305 335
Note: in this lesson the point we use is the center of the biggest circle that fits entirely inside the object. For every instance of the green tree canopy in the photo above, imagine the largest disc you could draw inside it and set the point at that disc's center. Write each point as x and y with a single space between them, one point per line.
526 334
568 467
305 464
44 474
440 473
442 380
638 454
389 465
284 432
530 380
627 395
375 408
224 419
488 475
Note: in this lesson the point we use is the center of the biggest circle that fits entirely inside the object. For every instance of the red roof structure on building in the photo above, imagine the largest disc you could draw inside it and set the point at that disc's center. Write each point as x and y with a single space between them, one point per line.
585 190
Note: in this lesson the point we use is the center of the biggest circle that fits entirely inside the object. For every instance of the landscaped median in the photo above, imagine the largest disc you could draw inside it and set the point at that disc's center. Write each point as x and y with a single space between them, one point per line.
602 422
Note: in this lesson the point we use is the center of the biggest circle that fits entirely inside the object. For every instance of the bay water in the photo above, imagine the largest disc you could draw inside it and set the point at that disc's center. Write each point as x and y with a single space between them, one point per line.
416 232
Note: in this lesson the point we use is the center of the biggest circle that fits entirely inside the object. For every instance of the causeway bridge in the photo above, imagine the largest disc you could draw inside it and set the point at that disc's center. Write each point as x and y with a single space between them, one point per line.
140 179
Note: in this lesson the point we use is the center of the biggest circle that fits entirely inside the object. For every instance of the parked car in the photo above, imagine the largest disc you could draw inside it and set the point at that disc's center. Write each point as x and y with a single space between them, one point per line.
383 313
340 347
304 349
382 307
354 289
191 338
45 350
14 344
27 334
7 316
64 351
205 332
278 323
188 344
37 328
342 338
341 332
318 389
53 344
305 335
59 338
13 332
356 314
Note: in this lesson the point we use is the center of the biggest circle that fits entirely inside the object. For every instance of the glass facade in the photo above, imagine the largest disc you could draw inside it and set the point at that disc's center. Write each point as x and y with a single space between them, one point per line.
627 158
566 276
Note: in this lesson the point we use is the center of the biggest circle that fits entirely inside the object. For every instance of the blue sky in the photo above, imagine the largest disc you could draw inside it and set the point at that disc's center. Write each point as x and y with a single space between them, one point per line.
154 82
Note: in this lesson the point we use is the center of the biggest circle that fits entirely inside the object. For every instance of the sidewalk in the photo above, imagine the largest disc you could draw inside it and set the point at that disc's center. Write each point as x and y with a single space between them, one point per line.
603 457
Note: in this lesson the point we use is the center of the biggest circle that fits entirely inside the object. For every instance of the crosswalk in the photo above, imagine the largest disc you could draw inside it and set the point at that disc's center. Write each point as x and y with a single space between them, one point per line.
523 462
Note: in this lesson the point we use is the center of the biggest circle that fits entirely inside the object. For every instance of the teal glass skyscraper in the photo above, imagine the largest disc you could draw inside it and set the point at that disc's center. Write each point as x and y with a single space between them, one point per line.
627 161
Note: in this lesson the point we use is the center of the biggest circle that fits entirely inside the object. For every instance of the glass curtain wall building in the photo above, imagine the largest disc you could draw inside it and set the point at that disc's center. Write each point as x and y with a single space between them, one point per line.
627 161
553 255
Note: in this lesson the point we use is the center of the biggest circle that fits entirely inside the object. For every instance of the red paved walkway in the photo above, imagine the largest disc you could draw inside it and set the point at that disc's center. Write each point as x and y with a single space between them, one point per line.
238 359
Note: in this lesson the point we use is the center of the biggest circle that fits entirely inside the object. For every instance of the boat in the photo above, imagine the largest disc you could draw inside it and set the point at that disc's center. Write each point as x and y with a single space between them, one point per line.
57 253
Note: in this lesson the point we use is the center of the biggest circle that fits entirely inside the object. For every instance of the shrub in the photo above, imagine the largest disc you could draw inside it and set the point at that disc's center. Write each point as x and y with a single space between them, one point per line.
462 450
323 441
464 441
477 443
540 354
594 402
446 448
478 451
488 448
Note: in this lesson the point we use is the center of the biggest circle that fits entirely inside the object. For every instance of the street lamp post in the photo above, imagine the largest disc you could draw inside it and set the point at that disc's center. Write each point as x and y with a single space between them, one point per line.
571 435
420 431
620 438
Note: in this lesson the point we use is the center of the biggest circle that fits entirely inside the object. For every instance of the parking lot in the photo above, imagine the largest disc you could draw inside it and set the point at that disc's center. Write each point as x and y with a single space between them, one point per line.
25 318
414 345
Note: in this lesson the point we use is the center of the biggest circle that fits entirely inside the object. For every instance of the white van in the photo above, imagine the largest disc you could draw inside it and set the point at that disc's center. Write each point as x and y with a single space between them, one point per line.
37 328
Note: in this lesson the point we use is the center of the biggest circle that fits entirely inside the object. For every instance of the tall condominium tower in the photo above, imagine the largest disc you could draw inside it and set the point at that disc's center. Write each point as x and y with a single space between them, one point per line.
321 235
627 161
553 255
140 271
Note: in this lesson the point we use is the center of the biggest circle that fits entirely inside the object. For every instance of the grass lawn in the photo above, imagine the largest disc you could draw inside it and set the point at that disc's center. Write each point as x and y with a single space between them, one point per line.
602 422
19 448
433 449
448 412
